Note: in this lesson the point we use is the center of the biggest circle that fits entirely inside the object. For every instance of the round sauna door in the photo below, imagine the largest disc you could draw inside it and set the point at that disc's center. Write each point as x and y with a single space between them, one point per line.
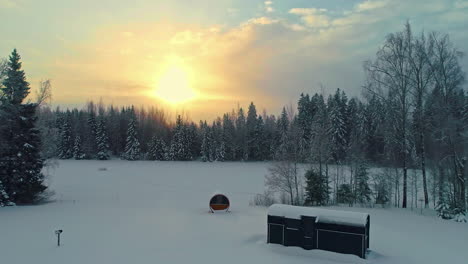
219 202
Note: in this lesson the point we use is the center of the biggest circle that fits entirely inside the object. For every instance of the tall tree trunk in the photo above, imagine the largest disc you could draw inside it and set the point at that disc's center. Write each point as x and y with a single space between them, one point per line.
423 170
405 183
296 183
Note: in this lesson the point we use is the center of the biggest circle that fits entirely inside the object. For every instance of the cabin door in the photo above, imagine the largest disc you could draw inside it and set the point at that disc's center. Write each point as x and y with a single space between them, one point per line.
308 228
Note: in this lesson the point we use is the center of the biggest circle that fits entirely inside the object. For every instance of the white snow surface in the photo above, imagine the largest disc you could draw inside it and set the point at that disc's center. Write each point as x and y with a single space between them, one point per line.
323 215
157 212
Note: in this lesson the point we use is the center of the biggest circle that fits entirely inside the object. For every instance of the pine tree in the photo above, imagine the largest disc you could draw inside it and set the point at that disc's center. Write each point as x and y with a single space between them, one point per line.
317 189
102 140
77 151
132 146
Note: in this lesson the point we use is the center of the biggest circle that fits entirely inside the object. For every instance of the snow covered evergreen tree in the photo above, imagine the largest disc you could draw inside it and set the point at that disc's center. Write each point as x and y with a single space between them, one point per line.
181 142
283 127
65 146
305 117
77 150
338 129
90 144
20 165
241 139
317 189
4 197
221 151
345 194
229 133
362 191
132 146
206 143
156 149
382 193
251 123
102 140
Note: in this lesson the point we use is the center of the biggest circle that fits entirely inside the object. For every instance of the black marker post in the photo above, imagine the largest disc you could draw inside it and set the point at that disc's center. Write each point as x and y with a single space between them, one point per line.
58 232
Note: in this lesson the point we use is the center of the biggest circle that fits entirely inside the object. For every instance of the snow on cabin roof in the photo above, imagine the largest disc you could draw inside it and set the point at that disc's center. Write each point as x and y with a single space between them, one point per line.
323 215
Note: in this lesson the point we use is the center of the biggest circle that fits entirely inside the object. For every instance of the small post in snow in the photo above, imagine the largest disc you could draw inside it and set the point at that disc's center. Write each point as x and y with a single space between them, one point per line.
58 232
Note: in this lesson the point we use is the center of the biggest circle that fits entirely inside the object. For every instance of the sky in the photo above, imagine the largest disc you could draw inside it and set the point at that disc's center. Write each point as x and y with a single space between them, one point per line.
206 57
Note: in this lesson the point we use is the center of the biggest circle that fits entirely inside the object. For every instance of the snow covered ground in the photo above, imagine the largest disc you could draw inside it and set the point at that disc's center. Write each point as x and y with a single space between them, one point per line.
157 212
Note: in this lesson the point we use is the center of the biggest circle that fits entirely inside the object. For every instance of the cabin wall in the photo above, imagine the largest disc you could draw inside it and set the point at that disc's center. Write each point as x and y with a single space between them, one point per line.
308 234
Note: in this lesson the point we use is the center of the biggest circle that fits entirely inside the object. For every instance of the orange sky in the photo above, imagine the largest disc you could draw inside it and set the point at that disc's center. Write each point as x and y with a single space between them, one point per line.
205 57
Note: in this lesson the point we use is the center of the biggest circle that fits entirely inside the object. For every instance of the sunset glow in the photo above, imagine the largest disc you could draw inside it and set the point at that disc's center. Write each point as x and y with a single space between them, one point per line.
174 84
209 57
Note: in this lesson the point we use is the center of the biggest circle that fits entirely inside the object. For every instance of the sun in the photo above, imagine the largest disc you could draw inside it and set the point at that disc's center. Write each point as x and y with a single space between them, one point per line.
174 84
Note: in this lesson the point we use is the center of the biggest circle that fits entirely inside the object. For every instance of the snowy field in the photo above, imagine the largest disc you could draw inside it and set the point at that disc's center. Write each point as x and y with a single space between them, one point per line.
157 212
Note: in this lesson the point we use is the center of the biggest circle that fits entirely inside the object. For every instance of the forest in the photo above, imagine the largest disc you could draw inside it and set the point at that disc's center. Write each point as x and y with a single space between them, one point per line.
411 120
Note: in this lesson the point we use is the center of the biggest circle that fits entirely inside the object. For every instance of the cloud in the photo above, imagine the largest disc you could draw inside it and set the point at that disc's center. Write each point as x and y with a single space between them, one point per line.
268 7
370 5
269 58
262 21
312 17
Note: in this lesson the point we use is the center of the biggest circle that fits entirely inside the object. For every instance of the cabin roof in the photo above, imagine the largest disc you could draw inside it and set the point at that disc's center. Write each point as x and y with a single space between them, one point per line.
322 215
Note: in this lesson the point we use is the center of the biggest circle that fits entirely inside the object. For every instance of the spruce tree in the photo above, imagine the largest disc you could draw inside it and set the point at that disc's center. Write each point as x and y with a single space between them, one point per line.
15 87
102 140
338 124
65 146
362 190
77 150
156 149
206 144
132 146
241 139
252 135
283 127
228 137
91 135
181 142
221 151
4 197
151 155
21 178
317 189
345 194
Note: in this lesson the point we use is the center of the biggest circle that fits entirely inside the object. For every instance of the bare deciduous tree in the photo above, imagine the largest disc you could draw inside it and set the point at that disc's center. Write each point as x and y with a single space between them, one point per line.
283 178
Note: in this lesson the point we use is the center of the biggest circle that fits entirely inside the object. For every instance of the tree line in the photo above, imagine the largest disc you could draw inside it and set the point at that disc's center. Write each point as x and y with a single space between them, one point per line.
412 117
